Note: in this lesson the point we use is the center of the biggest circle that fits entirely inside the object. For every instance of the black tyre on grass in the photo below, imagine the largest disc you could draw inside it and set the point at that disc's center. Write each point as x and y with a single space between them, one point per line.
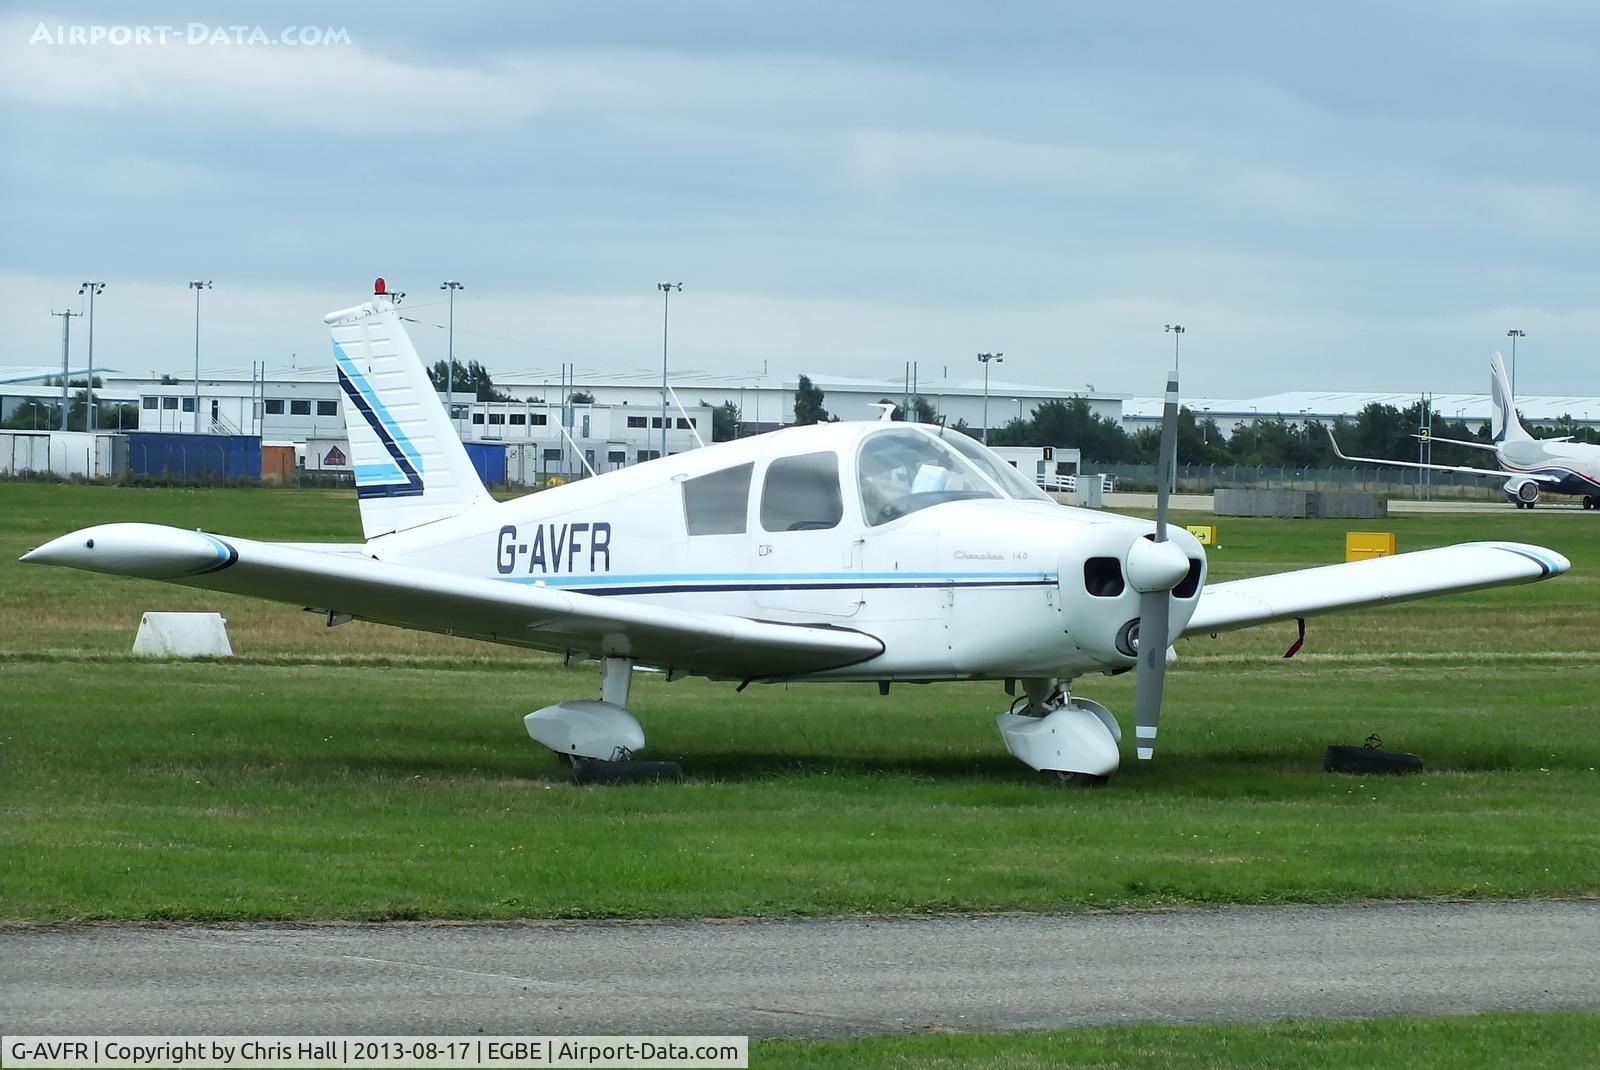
1341 758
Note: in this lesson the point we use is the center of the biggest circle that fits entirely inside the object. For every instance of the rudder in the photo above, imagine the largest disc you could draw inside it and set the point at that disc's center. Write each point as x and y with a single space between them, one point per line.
1503 423
410 466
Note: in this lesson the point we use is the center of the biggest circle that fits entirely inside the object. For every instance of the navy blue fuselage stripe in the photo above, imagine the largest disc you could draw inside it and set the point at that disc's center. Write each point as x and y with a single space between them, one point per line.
217 566
412 487
1544 568
842 585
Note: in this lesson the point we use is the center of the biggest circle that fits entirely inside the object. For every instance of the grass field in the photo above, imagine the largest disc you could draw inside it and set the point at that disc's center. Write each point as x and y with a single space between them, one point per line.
362 772
1479 1042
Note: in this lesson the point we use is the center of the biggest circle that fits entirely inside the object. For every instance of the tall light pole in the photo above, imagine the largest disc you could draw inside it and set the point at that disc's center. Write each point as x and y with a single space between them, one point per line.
1512 334
450 355
92 289
984 359
196 285
666 289
66 334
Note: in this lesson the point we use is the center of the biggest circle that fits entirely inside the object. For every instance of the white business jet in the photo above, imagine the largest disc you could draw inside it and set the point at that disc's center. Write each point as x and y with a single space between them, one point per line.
869 551
1532 465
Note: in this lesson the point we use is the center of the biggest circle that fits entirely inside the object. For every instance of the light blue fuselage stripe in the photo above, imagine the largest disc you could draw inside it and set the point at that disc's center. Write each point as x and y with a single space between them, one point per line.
616 580
371 396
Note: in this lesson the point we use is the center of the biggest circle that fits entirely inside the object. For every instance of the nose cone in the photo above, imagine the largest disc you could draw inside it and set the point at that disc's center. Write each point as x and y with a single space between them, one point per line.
148 550
1156 566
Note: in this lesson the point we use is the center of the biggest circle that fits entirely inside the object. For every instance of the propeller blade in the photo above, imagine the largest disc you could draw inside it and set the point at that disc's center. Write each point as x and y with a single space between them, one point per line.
1155 607
1150 674
1167 459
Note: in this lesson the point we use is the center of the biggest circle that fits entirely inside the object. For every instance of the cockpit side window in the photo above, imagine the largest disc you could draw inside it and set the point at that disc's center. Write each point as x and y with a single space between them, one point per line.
905 470
1014 483
717 503
801 493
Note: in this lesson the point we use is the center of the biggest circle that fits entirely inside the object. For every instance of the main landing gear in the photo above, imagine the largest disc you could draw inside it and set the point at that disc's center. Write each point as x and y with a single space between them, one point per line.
599 739
1072 740
1591 502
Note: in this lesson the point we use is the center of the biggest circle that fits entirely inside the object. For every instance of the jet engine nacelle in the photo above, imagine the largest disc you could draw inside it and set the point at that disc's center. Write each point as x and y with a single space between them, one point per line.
1522 491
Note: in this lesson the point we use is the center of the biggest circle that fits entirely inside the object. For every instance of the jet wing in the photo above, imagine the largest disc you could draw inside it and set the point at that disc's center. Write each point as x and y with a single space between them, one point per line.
497 611
1501 473
1378 581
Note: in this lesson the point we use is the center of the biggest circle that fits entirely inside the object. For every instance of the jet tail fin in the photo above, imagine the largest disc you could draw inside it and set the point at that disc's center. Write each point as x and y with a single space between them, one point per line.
410 466
1503 423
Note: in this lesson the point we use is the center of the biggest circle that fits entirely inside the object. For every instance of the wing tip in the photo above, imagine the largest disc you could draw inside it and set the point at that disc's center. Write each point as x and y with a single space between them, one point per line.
1549 561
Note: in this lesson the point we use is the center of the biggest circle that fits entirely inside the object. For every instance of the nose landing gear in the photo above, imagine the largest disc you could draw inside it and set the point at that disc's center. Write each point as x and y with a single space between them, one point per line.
1072 739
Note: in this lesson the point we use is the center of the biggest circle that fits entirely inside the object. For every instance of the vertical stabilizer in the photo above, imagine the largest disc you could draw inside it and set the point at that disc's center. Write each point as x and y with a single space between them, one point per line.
410 465
1503 423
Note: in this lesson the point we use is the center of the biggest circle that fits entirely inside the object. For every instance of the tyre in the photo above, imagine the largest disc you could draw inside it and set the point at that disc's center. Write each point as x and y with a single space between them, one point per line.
1075 780
596 771
1341 758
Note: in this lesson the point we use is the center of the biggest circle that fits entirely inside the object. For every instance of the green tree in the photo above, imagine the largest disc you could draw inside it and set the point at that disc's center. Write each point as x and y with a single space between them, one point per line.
578 397
1013 432
808 403
471 378
725 420
1072 424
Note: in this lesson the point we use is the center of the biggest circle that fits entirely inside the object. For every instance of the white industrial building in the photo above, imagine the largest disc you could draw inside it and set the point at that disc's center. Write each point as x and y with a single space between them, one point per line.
766 402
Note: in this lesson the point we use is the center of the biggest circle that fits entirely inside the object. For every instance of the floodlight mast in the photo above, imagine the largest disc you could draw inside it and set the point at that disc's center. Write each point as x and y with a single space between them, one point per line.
92 289
1514 334
66 346
452 286
984 359
666 289
197 285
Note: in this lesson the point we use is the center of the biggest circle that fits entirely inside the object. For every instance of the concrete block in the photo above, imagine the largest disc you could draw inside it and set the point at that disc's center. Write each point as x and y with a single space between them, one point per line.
183 635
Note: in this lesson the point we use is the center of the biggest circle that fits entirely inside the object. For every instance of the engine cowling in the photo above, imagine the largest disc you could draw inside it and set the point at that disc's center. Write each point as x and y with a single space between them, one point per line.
1523 491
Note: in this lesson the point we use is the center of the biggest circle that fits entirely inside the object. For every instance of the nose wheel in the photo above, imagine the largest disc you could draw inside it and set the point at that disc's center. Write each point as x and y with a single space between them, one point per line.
1077 780
1071 740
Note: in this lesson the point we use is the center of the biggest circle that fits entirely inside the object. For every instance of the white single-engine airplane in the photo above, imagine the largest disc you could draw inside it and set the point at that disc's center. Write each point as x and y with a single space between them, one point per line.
868 551
1532 465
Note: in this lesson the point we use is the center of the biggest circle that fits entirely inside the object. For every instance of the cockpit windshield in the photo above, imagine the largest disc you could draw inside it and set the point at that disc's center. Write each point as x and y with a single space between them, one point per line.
1013 482
904 470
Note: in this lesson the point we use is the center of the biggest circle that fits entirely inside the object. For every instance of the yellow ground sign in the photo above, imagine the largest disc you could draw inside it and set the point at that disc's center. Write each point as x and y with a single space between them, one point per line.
1206 533
1360 545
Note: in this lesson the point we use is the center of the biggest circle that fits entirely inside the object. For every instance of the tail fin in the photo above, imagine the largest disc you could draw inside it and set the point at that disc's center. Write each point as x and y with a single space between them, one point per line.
1503 423
410 465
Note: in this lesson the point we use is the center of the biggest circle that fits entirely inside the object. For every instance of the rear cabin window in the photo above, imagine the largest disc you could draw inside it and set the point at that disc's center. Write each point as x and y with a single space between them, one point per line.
717 504
802 493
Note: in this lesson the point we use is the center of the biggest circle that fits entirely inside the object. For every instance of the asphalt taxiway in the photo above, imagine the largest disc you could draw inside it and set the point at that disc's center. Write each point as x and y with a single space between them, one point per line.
828 977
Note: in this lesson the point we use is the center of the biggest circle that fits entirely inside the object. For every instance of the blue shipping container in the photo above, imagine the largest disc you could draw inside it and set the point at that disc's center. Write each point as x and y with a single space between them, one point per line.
190 456
489 458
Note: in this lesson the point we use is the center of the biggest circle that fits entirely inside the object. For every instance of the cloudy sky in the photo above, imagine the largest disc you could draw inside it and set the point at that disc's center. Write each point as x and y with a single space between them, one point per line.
1364 196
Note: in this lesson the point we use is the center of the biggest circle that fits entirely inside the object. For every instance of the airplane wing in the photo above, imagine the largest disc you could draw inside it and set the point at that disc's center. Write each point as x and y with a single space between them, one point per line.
1308 592
518 614
1489 446
1501 473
